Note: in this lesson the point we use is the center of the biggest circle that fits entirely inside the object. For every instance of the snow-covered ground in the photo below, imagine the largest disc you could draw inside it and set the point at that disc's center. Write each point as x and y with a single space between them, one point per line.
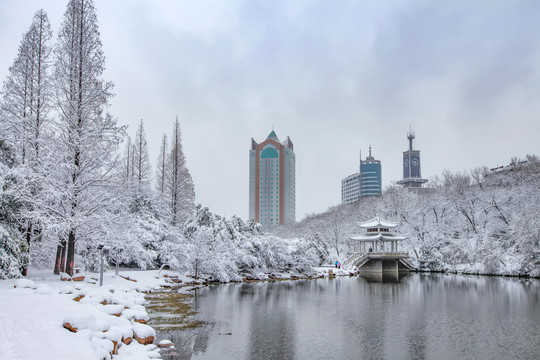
35 309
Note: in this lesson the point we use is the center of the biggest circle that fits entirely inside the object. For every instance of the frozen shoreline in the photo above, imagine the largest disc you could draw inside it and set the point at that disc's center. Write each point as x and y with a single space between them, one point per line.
36 308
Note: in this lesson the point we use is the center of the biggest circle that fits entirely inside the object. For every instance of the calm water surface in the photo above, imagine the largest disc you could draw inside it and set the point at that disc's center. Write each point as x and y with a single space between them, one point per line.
421 316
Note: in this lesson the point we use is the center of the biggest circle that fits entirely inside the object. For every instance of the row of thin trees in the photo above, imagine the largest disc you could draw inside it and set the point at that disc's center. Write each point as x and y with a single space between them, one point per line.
66 182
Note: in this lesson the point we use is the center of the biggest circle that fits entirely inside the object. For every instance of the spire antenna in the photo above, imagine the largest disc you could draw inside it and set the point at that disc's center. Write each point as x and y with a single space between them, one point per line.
410 136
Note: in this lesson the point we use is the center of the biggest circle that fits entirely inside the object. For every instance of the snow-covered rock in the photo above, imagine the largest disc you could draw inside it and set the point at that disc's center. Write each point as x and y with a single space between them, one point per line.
24 284
144 334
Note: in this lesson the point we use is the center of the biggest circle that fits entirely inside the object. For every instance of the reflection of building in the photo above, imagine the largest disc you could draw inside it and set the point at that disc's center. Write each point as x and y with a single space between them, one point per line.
412 176
370 176
272 182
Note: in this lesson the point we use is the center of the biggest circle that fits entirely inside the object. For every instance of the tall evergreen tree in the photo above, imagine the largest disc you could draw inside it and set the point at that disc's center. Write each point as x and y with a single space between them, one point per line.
179 189
23 121
143 170
161 167
127 163
88 136
138 172
26 92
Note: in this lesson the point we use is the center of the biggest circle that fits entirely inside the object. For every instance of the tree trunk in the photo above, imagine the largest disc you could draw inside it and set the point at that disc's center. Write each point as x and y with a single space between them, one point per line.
63 257
58 265
70 259
28 239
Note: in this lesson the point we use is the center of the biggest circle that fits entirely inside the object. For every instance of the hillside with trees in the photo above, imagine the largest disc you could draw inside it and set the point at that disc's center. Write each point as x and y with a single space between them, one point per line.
484 221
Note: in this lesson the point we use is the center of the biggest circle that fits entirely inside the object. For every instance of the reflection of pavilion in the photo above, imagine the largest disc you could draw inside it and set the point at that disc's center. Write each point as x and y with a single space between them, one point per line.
377 249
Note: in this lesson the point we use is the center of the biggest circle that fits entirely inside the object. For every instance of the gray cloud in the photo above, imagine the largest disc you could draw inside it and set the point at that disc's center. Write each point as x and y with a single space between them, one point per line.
335 76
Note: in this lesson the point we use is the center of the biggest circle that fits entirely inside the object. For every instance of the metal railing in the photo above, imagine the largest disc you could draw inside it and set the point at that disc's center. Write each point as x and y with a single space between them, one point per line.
360 258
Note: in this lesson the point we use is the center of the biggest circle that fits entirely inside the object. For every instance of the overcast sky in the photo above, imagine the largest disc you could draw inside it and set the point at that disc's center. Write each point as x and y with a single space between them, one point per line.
335 76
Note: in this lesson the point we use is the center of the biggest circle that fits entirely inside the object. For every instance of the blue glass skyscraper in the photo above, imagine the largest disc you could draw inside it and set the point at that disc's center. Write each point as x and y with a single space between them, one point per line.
370 176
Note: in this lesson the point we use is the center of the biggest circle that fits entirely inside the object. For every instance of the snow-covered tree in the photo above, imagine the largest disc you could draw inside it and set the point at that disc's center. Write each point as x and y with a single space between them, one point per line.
26 95
161 167
88 137
24 107
135 172
13 254
126 171
334 230
143 170
482 221
179 188
13 247
229 249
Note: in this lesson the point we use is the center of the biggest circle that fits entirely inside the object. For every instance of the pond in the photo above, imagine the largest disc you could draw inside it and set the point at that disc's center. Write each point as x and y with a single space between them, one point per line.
419 316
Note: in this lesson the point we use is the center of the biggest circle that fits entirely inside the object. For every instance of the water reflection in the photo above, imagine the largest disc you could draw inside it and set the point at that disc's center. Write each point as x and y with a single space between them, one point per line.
383 277
419 316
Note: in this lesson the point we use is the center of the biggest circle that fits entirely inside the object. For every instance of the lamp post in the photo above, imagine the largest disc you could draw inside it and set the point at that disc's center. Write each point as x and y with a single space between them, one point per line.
101 248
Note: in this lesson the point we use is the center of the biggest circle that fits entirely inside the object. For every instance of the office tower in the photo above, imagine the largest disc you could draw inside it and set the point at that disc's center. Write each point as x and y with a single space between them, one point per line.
367 182
370 176
272 182
350 189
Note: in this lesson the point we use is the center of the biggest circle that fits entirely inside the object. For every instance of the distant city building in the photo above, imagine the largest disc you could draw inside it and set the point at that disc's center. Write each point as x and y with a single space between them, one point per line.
370 176
272 182
412 175
368 182
350 189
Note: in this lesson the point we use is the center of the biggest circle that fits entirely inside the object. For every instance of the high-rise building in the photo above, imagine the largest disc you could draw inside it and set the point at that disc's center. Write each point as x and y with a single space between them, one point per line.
272 195
412 175
367 182
370 176
350 189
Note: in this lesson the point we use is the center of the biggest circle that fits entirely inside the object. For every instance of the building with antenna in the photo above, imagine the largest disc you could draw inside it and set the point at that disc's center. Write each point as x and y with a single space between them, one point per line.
412 174
370 176
272 194
367 182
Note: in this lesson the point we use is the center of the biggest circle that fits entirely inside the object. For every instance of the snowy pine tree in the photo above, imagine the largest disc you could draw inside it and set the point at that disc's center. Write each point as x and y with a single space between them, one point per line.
161 167
26 100
143 170
88 137
179 189
26 95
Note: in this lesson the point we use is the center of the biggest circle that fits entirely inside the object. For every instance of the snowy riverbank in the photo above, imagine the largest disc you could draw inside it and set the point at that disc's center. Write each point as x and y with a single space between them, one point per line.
36 309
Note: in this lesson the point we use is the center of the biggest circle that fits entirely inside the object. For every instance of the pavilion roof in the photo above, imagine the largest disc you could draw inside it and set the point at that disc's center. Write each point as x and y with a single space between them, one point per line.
378 236
377 222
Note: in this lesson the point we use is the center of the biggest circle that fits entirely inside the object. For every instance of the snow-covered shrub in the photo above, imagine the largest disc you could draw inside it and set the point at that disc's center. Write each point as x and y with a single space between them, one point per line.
13 254
228 249
172 250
